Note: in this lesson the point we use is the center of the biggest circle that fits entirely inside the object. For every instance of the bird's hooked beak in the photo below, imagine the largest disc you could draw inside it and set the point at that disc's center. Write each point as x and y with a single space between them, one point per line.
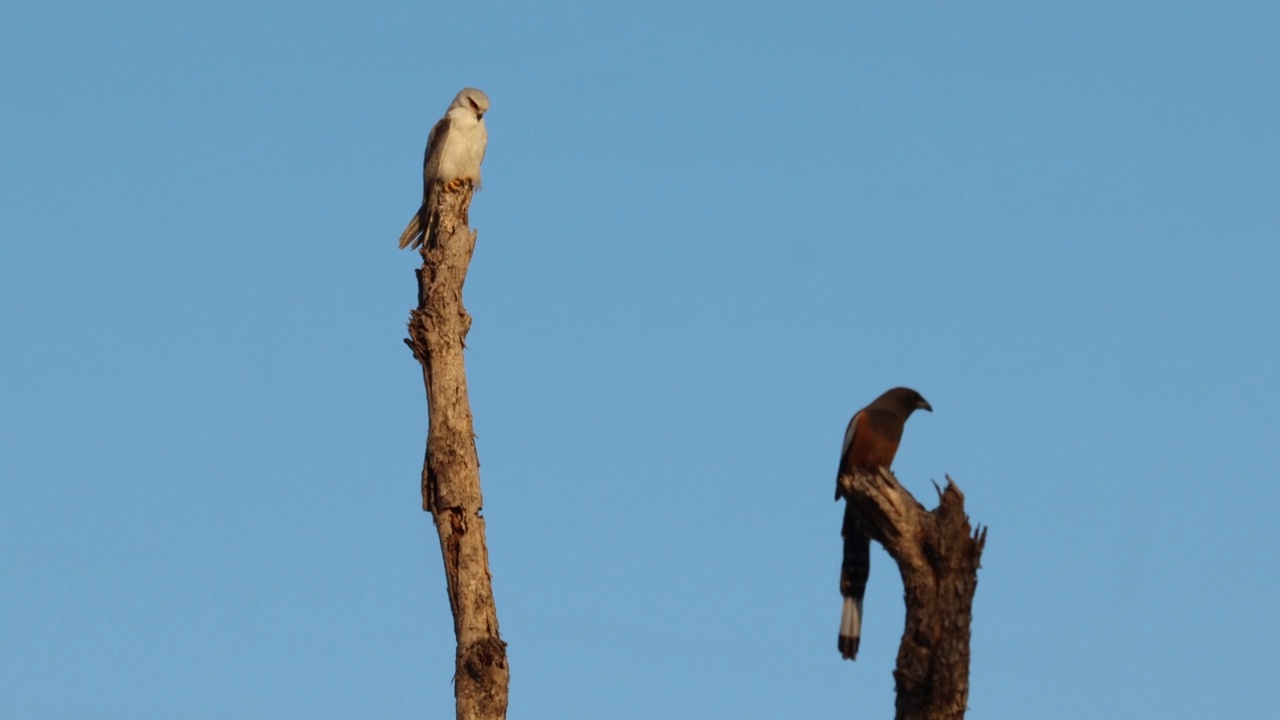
924 405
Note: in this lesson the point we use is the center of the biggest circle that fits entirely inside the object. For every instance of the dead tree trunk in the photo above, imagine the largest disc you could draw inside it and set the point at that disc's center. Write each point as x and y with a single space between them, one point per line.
451 471
938 555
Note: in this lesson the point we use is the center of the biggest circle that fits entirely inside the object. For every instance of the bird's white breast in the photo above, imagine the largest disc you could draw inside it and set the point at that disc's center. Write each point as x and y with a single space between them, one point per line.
464 146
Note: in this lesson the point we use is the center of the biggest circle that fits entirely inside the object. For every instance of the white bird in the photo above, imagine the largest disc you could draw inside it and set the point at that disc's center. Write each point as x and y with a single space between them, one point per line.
455 149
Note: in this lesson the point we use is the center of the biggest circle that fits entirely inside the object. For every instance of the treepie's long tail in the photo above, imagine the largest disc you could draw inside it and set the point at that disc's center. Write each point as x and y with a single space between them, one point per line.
854 570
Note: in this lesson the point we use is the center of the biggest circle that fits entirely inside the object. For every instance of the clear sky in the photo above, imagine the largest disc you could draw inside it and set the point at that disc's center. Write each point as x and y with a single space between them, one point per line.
709 232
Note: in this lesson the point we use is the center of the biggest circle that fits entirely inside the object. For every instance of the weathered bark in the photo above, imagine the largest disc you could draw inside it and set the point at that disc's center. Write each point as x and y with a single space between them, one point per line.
451 471
938 556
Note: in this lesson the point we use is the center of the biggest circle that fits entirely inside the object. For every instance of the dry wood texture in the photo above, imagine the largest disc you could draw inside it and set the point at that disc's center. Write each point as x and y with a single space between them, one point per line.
451 471
938 556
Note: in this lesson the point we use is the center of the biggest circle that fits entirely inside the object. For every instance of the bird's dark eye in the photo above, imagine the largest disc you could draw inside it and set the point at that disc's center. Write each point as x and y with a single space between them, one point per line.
474 106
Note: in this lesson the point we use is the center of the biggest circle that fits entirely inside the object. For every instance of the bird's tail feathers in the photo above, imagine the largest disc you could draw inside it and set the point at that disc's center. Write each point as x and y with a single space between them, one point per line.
412 235
850 628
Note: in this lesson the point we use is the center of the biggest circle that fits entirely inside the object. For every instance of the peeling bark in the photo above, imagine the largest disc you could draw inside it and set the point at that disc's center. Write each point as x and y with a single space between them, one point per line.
451 470
938 556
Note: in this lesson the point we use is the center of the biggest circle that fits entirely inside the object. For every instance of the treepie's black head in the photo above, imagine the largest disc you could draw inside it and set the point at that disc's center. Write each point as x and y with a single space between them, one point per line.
902 402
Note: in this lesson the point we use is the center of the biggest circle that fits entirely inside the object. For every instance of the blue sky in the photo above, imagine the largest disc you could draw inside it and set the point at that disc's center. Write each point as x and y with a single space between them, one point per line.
709 232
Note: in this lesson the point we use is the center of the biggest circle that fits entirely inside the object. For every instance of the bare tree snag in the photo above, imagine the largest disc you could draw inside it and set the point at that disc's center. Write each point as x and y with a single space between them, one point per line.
938 556
451 471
